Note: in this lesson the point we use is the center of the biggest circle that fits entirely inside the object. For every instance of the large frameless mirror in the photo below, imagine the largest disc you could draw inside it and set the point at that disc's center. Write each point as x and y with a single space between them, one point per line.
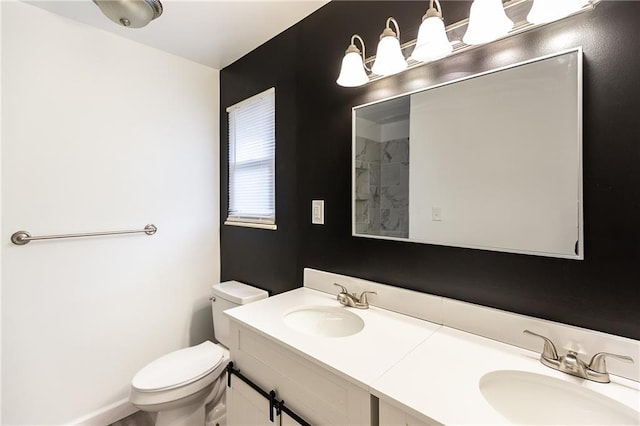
492 161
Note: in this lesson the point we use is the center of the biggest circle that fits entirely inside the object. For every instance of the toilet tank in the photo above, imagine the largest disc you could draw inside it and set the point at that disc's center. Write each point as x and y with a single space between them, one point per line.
227 295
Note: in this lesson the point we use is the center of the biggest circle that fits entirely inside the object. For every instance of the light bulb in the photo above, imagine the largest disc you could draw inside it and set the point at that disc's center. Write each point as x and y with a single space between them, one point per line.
432 43
544 11
352 72
487 22
389 58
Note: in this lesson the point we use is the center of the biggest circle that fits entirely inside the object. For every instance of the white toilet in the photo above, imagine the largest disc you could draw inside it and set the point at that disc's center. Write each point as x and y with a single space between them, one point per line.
178 385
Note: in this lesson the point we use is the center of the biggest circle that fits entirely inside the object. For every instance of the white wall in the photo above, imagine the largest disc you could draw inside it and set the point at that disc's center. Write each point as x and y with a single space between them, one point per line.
368 129
395 130
382 132
100 133
0 212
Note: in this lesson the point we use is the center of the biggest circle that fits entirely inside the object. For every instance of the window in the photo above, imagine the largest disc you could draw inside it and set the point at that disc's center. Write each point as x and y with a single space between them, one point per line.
252 162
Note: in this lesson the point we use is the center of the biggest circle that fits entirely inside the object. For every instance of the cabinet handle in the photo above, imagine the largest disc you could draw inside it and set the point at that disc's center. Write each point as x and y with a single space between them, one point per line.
271 396
272 403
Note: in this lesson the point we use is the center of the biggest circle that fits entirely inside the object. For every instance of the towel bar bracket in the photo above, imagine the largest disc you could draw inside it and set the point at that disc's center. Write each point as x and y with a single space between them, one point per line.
20 238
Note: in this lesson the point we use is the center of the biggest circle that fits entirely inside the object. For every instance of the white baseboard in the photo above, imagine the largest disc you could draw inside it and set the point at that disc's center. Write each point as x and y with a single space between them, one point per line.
107 415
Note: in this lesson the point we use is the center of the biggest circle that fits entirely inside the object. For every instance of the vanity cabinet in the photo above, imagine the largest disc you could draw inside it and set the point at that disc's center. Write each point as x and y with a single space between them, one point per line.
318 395
392 416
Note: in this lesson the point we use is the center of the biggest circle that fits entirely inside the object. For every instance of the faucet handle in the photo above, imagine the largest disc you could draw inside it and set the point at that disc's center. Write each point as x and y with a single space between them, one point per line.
362 302
344 289
549 350
345 298
363 297
598 364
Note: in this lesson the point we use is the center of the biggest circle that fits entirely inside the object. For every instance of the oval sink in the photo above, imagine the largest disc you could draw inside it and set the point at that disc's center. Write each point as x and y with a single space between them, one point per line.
324 321
529 398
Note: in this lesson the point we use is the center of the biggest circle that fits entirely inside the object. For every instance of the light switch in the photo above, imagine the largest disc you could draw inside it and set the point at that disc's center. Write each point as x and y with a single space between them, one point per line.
436 214
317 212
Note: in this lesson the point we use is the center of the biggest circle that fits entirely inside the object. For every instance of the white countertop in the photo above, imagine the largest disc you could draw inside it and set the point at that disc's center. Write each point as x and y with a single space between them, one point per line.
360 358
440 379
428 370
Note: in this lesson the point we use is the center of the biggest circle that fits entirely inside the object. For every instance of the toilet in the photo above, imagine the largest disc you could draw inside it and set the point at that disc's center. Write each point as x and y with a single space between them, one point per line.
178 385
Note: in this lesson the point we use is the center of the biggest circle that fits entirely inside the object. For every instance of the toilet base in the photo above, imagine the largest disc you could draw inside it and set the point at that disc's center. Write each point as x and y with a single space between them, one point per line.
189 415
215 407
185 411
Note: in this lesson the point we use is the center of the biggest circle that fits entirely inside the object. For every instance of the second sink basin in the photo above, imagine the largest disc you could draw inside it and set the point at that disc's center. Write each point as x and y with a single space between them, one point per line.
530 398
324 321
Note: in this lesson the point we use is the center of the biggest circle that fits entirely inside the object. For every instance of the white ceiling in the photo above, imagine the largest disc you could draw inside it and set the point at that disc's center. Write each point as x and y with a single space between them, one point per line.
211 32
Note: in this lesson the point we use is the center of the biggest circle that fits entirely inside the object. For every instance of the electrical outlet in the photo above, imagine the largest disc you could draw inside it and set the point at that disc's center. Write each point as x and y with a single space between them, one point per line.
317 212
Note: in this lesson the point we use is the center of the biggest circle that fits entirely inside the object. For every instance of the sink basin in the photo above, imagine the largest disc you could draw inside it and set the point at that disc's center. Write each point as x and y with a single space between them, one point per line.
324 321
529 398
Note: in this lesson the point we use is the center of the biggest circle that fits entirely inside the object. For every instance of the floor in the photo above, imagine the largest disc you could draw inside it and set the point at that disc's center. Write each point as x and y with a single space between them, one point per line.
140 418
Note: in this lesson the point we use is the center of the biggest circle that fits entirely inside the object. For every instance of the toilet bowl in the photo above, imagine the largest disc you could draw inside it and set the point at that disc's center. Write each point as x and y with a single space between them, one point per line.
179 384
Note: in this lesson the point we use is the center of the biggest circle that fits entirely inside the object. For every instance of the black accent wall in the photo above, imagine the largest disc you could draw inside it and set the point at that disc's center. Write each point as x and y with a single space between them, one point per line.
313 160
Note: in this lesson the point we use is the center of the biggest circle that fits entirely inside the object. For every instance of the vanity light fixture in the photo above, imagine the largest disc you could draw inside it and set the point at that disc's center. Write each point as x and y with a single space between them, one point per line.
544 11
352 72
432 42
487 22
389 58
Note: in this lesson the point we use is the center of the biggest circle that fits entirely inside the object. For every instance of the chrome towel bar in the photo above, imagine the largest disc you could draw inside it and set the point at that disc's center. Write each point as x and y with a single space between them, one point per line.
21 238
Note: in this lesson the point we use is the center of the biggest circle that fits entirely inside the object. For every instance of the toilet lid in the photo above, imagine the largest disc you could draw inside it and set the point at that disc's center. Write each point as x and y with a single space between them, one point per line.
179 367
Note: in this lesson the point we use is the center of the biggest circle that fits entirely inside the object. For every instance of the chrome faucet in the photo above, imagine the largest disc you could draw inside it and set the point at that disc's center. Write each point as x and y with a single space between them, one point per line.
596 370
350 299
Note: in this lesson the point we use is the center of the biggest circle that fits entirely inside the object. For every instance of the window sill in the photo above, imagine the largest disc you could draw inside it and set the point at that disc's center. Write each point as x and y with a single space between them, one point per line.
252 225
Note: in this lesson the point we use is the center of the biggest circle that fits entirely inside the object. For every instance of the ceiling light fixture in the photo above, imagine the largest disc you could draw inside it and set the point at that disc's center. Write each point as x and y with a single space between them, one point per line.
488 20
130 13
389 58
352 71
432 42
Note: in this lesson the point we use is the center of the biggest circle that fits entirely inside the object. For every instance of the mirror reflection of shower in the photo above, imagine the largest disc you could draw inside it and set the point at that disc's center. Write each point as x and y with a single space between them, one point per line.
130 13
382 170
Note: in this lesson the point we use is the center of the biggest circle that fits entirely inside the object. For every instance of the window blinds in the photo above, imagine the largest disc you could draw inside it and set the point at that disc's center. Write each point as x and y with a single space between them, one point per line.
252 161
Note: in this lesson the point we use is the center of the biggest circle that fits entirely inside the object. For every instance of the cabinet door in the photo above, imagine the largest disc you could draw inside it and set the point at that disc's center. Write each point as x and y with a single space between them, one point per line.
393 416
316 394
285 420
246 407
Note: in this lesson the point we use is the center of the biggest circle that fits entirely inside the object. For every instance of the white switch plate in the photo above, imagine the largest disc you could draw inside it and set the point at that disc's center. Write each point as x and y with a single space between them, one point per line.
436 214
317 212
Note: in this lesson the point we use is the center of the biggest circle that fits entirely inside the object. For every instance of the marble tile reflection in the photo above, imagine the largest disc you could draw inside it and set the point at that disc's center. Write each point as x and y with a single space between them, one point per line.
394 196
382 187
362 182
395 151
367 150
362 211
